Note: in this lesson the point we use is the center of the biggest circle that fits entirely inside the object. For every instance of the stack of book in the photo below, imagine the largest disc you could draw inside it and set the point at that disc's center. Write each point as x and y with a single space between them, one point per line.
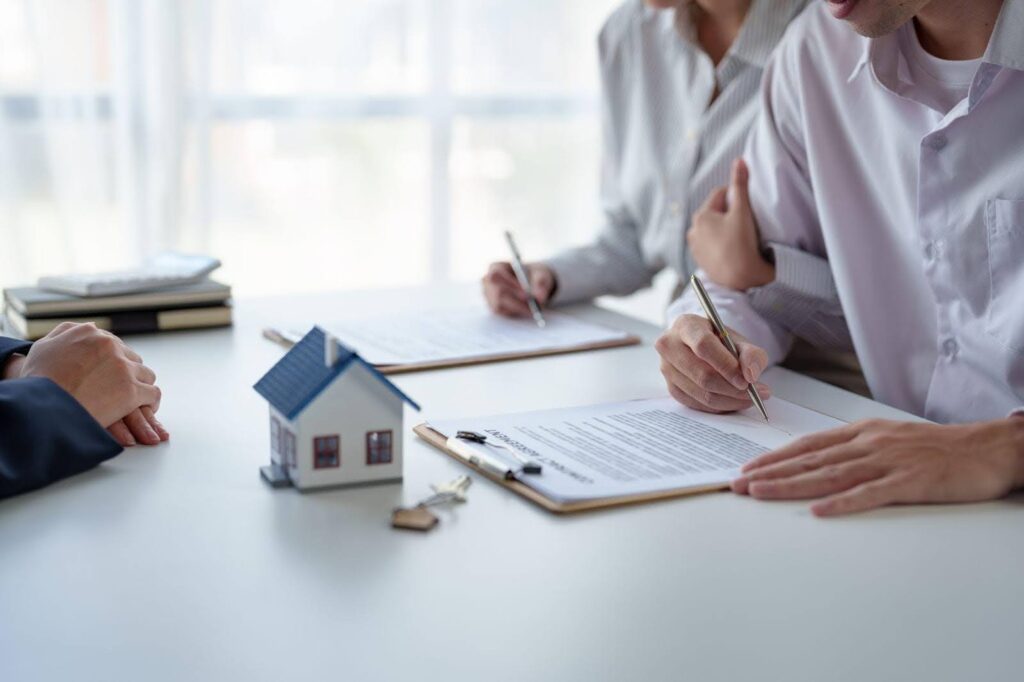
31 313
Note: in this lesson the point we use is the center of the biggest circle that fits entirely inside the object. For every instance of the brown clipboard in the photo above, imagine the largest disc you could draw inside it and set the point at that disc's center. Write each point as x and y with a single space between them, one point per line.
440 441
628 340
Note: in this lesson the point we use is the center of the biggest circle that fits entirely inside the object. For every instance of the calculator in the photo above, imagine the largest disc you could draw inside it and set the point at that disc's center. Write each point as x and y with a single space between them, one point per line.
163 271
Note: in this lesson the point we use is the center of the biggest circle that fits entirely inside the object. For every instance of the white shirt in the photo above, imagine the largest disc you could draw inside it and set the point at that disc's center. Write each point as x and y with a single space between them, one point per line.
919 211
666 145
944 82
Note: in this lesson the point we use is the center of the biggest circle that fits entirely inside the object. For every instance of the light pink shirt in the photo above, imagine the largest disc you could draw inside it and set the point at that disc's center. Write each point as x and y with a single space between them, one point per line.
920 212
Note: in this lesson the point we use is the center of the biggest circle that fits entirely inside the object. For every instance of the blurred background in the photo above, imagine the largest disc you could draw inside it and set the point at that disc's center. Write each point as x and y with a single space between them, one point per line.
309 144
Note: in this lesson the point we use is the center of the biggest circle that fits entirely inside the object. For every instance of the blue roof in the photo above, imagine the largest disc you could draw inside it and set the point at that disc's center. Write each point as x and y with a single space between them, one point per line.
301 375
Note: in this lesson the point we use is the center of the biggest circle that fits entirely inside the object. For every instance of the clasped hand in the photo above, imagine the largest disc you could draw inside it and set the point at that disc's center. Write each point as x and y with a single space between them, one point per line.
103 374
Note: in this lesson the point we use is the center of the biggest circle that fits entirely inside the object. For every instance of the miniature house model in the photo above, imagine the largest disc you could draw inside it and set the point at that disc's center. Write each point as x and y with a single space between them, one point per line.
334 419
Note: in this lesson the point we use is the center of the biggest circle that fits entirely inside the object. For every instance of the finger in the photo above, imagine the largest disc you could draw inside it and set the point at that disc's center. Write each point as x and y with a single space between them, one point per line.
141 428
147 412
121 433
131 354
738 198
701 373
684 399
511 306
870 495
828 480
813 442
800 464
148 394
709 348
753 360
716 201
145 374
735 400
508 284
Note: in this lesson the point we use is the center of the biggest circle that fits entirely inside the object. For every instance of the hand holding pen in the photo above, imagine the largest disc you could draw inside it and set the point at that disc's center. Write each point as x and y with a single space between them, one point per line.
701 371
507 296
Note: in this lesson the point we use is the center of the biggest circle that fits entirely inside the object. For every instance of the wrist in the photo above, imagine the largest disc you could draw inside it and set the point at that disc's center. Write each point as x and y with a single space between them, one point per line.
12 369
761 273
1017 434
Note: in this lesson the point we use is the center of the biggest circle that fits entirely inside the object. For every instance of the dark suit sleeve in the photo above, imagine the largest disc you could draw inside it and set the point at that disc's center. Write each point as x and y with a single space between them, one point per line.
45 435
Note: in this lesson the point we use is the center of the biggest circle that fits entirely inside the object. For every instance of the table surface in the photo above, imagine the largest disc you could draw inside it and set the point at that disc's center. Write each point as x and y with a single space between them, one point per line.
177 562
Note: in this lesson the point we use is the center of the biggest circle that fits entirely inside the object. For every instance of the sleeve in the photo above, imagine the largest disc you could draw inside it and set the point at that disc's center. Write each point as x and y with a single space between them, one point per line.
34 450
782 199
614 263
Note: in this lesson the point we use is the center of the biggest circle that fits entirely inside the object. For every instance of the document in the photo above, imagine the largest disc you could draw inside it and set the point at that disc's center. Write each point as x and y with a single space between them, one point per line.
632 448
451 335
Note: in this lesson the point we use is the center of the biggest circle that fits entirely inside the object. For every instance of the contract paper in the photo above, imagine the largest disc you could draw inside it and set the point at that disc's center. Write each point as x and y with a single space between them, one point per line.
463 334
644 446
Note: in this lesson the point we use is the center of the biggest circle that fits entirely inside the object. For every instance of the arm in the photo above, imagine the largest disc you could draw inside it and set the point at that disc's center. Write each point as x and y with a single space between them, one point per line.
32 452
614 262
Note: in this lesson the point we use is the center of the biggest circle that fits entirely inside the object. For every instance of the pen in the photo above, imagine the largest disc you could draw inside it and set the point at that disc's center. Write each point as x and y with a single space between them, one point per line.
723 334
282 337
524 281
529 466
485 462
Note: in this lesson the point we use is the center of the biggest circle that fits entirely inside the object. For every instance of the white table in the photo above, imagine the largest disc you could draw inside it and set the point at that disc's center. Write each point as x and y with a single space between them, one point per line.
178 563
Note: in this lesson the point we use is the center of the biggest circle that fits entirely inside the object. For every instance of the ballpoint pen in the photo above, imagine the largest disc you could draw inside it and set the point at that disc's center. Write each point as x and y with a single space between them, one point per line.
524 280
723 334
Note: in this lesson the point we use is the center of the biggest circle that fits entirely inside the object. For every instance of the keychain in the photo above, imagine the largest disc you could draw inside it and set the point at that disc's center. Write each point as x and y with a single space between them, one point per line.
419 516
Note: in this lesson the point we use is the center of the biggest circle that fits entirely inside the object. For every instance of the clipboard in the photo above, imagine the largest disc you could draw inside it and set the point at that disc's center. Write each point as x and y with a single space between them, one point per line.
287 340
628 340
440 441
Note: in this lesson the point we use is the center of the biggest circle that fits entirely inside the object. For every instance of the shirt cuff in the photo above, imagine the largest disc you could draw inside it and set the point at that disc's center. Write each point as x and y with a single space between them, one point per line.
802 283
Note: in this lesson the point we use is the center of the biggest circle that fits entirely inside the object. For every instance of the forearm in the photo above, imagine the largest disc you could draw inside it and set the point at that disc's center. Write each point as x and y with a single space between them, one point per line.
613 264
46 435
802 298
737 313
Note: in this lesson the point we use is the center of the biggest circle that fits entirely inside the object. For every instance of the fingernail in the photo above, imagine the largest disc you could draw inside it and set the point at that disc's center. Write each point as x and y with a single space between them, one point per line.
130 440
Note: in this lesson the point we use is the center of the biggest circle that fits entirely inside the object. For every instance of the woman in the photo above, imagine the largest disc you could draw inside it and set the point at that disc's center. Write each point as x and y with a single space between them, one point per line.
679 85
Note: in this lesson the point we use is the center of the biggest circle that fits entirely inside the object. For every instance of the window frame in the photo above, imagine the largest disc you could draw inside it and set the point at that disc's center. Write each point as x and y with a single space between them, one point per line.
317 440
391 447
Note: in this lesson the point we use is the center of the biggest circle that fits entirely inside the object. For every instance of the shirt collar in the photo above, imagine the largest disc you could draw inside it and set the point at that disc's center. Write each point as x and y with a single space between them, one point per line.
763 27
1005 47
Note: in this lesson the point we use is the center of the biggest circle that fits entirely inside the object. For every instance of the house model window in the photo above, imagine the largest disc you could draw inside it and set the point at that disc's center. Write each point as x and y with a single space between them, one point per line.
289 448
326 452
378 447
275 435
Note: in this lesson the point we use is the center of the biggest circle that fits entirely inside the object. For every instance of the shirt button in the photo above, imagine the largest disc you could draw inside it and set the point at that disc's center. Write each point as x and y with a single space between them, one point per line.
691 134
950 347
929 252
938 142
676 209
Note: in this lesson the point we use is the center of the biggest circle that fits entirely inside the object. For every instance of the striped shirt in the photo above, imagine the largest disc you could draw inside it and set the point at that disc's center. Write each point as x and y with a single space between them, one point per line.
665 147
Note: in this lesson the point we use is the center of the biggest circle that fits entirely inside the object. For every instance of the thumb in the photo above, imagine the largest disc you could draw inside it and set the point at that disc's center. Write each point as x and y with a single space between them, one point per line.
753 359
739 197
716 201
542 282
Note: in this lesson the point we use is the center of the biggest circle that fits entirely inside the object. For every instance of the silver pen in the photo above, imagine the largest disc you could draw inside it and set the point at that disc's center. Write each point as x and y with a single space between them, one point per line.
485 462
524 280
723 334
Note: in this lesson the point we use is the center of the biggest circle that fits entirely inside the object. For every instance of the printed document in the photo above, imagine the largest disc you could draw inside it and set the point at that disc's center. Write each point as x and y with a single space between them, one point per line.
440 335
637 447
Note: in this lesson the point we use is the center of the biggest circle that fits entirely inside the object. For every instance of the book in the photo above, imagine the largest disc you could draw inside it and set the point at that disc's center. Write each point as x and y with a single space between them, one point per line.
31 302
125 321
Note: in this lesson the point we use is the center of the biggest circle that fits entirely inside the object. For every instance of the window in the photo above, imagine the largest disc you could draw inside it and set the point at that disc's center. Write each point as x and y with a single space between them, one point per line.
326 452
256 128
378 447
289 448
275 436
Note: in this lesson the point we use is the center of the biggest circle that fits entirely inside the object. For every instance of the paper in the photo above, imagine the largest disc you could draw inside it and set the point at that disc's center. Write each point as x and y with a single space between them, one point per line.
638 447
436 336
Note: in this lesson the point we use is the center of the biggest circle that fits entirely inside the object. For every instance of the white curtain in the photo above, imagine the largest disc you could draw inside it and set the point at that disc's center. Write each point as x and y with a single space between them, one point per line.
310 144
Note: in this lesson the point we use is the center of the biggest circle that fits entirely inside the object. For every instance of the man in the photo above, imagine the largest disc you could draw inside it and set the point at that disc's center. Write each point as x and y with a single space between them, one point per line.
679 89
896 154
56 397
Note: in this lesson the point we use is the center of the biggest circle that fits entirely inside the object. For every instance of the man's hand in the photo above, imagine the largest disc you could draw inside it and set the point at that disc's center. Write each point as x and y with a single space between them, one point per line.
724 239
700 371
505 296
875 463
103 374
